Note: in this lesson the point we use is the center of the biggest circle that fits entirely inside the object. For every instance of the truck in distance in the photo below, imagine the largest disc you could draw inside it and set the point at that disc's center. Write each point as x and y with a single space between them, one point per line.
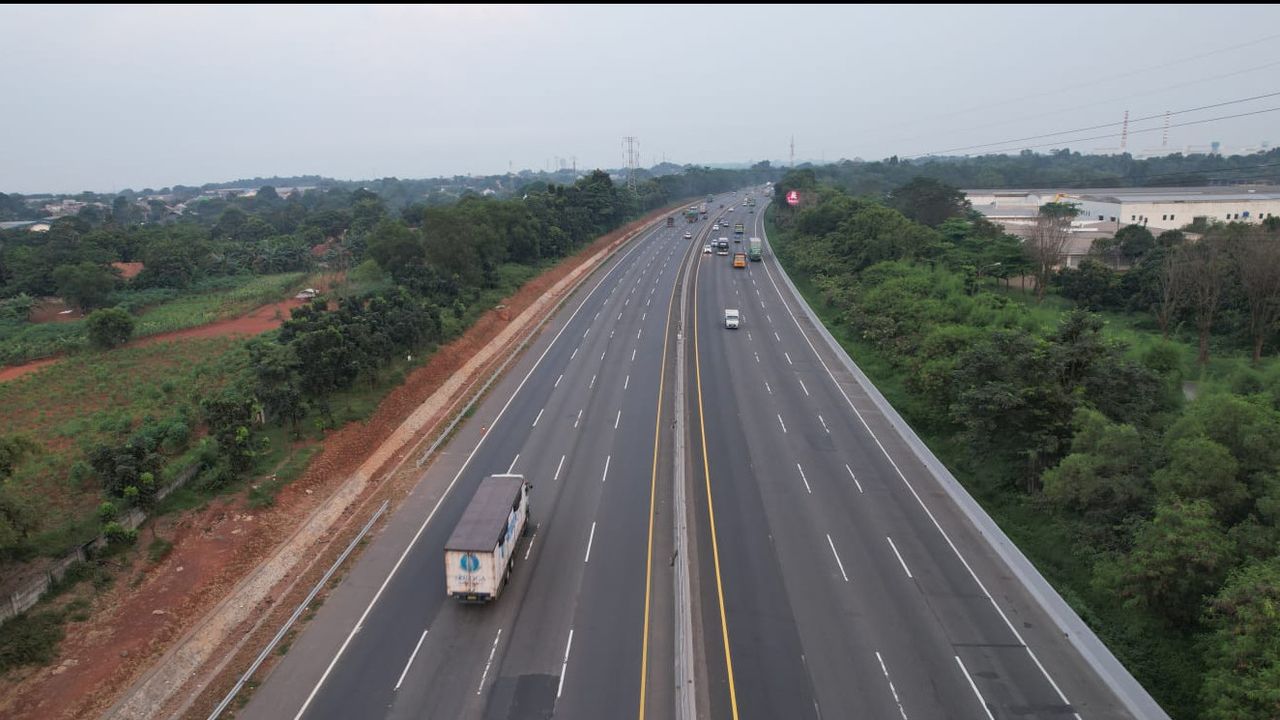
480 554
738 229
722 246
739 260
731 319
753 248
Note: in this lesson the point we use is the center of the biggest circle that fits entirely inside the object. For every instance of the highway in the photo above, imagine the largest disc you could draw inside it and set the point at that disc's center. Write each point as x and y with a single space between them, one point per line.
830 588
831 577
577 415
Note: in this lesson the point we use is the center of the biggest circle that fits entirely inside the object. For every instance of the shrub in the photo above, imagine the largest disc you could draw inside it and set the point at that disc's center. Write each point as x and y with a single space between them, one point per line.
109 328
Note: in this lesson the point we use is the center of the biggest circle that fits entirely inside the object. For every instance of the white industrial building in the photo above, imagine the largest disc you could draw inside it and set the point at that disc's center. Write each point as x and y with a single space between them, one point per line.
1156 208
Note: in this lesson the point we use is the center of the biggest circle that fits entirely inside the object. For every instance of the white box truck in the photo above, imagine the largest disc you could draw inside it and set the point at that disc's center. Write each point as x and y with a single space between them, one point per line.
481 551
731 319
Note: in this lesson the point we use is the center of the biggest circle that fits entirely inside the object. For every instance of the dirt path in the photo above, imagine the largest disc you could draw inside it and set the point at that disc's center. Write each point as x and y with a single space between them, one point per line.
149 608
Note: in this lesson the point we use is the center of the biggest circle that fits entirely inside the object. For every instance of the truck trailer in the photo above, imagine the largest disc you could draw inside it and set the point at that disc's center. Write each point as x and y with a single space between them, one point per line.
753 248
480 554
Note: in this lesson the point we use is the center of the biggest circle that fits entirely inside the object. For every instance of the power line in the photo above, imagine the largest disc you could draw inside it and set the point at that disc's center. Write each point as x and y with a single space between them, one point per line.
1125 98
1131 73
1104 125
1135 132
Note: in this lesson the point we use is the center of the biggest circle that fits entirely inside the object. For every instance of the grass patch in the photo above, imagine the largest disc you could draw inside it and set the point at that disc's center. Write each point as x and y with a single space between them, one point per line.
210 303
30 638
159 549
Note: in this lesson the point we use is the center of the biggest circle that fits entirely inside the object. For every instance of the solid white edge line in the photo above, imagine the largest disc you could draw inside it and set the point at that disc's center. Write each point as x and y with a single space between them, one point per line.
974 686
412 655
837 556
910 487
421 528
900 560
590 539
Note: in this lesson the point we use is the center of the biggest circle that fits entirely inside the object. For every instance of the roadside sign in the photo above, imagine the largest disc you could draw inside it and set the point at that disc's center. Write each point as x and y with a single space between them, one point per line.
793 198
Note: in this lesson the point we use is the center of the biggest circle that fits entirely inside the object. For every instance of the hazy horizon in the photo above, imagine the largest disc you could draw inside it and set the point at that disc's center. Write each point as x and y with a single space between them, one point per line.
107 98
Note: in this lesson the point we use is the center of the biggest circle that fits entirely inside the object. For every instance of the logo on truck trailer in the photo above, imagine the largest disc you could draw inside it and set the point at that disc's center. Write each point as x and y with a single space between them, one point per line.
469 563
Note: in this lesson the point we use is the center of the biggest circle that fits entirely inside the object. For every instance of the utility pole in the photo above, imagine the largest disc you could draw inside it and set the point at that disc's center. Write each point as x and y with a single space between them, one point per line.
1124 132
793 151
1165 142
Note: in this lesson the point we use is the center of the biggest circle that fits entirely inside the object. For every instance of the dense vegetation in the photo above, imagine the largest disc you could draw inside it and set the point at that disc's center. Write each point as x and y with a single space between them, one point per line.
105 429
1157 517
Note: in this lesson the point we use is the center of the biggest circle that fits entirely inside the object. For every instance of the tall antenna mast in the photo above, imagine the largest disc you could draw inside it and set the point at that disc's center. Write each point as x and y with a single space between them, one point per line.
1165 143
1124 132
632 160
793 151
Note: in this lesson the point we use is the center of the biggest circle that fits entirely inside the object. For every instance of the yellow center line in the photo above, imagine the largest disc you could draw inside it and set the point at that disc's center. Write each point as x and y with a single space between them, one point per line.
653 486
711 513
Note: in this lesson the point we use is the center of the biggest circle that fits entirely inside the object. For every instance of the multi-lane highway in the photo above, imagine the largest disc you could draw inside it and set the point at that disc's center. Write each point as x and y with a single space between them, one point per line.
581 622
830 587
831 577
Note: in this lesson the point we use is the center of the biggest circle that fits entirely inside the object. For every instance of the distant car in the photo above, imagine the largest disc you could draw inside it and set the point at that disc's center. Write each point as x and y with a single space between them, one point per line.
716 226
730 209
688 236
706 249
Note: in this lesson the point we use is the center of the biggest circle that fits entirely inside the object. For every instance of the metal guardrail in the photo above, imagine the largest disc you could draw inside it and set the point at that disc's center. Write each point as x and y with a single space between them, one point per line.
284 629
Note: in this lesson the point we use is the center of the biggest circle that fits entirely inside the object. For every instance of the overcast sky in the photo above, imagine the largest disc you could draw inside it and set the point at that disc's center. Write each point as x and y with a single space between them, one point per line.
107 98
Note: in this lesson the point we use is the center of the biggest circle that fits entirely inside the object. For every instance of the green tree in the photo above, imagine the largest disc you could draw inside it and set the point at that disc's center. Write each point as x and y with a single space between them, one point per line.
109 327
1178 558
13 450
1092 285
928 201
1200 468
1134 241
1242 649
86 285
1104 474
